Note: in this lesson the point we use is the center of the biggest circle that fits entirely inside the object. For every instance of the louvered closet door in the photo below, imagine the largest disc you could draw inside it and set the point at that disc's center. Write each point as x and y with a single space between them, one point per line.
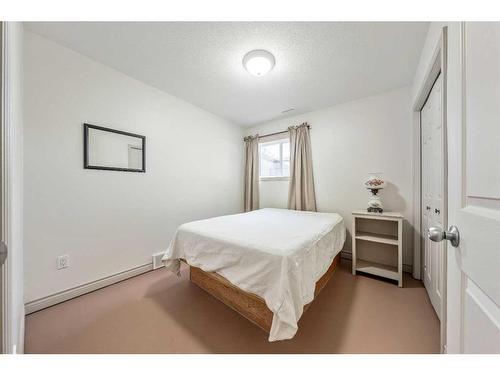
432 191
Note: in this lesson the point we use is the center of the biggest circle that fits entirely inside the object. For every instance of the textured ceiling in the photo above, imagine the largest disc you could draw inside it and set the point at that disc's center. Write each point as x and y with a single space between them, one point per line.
318 64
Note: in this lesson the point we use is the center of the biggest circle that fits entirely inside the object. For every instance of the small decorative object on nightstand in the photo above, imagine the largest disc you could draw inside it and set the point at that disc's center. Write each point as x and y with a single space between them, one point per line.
377 244
374 183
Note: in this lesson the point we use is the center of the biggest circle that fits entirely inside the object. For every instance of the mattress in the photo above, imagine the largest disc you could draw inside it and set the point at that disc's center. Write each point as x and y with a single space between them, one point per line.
275 253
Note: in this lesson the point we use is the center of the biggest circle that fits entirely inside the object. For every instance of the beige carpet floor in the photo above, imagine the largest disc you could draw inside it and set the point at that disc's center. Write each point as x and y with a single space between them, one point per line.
160 313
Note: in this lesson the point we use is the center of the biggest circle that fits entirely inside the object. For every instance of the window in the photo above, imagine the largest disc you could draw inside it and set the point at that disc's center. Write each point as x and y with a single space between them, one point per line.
274 159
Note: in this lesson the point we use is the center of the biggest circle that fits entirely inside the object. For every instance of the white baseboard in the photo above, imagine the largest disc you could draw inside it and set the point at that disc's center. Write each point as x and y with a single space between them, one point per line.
54 299
347 255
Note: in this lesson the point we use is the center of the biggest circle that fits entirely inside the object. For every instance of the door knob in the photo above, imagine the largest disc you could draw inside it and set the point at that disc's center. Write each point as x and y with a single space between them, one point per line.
437 235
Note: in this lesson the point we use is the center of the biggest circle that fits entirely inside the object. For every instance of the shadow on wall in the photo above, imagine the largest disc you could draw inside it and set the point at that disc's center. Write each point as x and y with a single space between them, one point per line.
393 201
348 242
391 198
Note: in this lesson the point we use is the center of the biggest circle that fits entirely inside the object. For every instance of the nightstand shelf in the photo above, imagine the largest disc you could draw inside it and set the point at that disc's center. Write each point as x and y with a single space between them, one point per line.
377 269
377 242
377 237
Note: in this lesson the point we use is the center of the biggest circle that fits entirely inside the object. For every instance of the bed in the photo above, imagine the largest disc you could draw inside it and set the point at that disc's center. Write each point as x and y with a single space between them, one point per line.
267 264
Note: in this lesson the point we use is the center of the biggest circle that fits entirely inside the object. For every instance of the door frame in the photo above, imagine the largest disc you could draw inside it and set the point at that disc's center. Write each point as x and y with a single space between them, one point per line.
8 127
4 326
4 269
436 66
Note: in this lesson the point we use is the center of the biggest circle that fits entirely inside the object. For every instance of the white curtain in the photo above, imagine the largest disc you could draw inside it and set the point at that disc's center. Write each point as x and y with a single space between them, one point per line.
301 194
251 173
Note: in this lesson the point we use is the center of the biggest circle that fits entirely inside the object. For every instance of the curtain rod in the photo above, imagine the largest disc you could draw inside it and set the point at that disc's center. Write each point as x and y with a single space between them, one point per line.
281 132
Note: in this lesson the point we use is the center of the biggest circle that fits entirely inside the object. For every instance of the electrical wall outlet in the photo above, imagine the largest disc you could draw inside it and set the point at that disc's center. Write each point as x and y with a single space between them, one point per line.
62 262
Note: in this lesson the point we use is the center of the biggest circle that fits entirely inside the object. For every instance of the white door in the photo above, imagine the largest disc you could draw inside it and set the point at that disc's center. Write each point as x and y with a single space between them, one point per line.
473 303
432 136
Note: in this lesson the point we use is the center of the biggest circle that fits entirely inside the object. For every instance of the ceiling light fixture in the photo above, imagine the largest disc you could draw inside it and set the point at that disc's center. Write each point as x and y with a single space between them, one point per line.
258 62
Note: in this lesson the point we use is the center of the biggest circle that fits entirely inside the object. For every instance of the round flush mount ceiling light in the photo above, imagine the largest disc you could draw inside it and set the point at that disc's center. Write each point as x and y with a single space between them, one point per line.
258 62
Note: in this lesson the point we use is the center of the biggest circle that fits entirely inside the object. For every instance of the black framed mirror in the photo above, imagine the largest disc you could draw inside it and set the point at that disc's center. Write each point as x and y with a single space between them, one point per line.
113 150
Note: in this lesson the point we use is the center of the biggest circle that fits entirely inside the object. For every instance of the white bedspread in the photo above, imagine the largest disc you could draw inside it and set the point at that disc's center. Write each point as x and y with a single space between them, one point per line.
277 254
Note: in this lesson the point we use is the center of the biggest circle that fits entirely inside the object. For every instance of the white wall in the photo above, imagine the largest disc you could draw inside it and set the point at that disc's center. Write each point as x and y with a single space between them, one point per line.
14 169
107 221
349 141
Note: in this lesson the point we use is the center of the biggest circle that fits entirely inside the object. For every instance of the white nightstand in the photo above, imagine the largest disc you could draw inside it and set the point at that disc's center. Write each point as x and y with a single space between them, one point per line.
377 244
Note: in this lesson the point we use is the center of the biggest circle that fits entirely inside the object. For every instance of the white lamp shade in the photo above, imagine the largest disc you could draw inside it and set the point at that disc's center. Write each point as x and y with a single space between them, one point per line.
375 181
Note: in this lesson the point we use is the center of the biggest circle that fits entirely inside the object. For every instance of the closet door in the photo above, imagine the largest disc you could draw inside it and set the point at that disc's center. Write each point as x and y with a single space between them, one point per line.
432 191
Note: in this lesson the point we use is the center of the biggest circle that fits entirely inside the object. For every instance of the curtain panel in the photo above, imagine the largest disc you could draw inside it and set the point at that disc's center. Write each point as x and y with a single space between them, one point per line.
301 195
251 173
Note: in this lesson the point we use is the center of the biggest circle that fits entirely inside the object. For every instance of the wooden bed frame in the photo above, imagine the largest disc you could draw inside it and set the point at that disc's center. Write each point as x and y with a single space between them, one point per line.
247 304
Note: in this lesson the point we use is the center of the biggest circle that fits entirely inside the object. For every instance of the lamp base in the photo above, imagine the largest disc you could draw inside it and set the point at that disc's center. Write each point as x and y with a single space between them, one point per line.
375 209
